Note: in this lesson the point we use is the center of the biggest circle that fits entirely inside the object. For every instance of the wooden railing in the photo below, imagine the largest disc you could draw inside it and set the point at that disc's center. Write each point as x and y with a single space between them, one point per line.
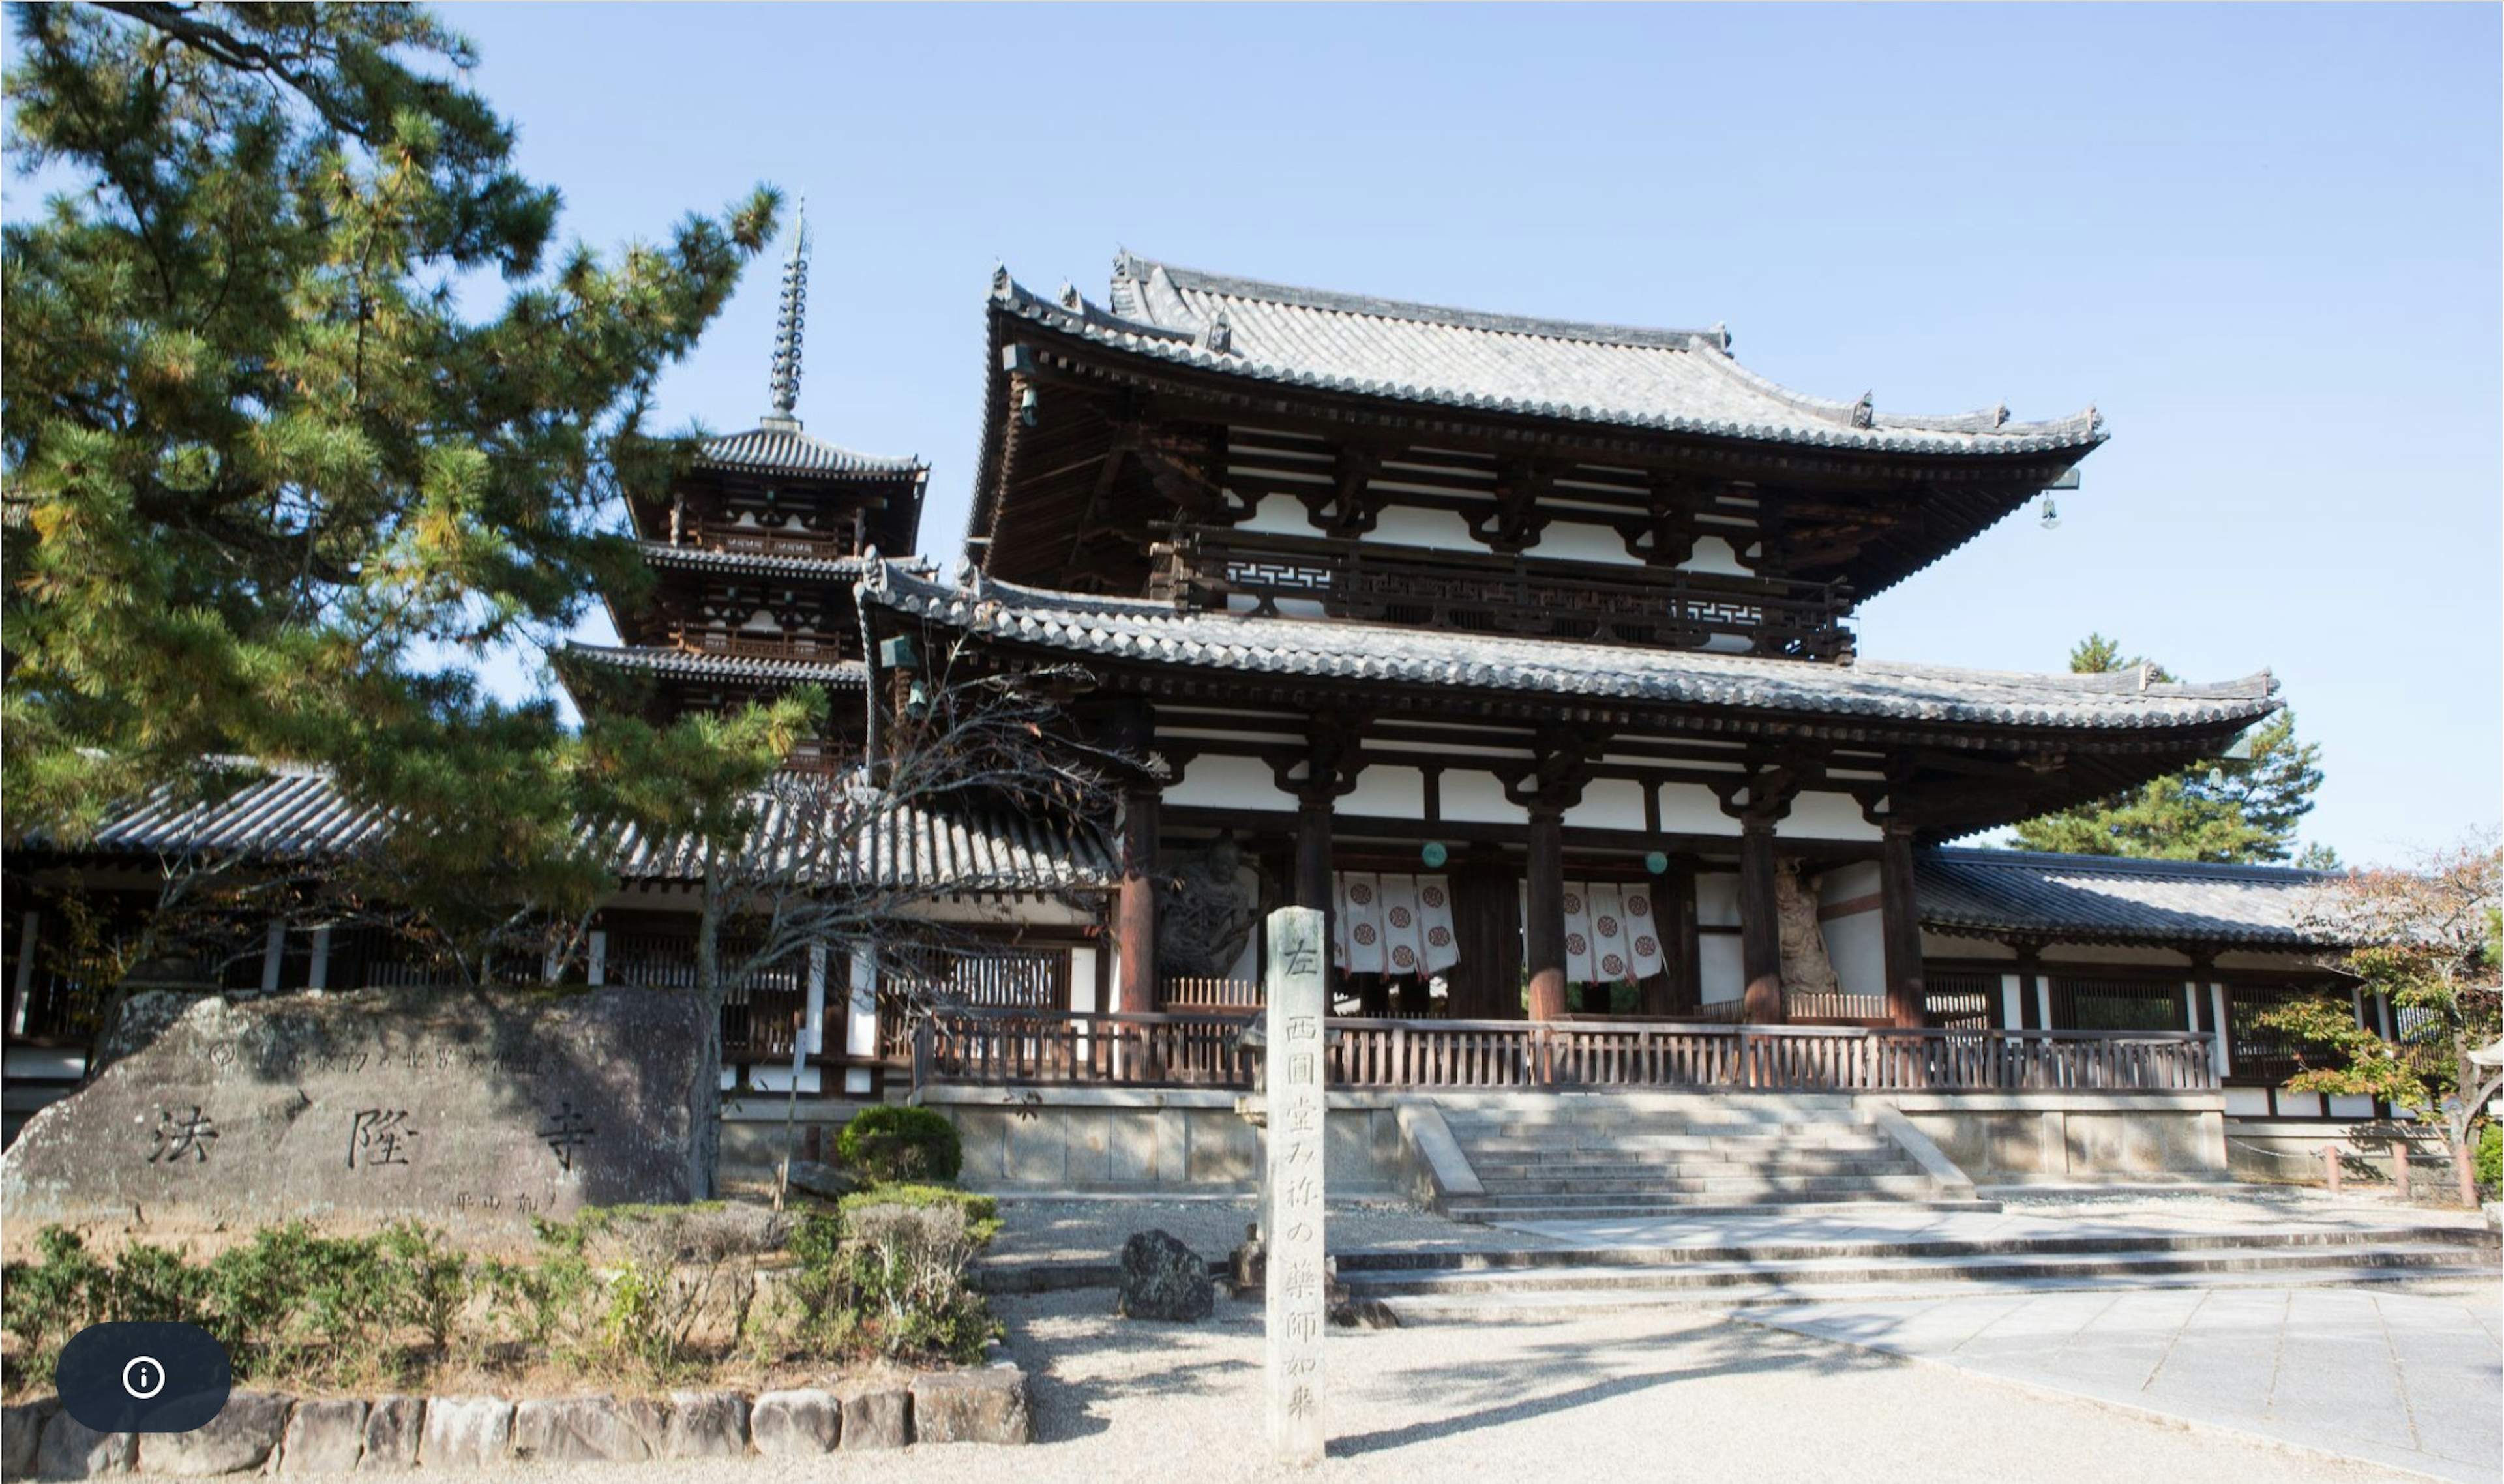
1200 1050
1208 993
762 542
798 646
1510 594
1001 1047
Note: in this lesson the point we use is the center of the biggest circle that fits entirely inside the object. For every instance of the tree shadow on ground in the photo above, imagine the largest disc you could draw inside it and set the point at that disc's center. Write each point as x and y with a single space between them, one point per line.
1569 1373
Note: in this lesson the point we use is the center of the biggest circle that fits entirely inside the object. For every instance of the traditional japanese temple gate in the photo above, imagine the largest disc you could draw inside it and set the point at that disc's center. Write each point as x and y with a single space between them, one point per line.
1376 587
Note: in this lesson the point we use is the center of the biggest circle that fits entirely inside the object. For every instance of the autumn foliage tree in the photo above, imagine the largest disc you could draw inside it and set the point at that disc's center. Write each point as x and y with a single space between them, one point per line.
2430 935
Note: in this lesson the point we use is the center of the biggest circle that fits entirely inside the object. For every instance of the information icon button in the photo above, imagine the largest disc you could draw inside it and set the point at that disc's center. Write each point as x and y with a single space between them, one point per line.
143 1377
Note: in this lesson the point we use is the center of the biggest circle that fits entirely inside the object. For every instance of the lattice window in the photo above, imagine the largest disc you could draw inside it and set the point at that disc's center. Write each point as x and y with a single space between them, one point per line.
1954 1001
2117 1004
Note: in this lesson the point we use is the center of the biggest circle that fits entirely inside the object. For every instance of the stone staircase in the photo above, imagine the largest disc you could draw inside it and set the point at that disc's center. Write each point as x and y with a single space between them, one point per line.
1535 1283
1591 1157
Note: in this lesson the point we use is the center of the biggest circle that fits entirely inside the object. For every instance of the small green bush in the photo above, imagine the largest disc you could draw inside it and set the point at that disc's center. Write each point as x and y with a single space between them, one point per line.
2489 1157
891 1142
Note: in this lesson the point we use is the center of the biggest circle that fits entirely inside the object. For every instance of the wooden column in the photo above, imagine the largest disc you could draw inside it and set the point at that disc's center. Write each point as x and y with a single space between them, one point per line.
2030 987
1681 944
1542 930
1760 936
1900 919
1486 921
1135 914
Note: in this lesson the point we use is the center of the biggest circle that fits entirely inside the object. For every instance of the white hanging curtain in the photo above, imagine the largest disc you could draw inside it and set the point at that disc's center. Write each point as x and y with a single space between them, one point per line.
1609 933
1392 924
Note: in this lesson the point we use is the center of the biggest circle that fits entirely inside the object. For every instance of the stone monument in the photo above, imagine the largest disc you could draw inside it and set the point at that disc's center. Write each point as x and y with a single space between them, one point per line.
1297 1284
452 1106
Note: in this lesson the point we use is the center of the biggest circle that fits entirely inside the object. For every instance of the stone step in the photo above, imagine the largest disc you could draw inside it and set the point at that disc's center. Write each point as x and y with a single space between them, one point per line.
2476 1243
1557 1305
1536 1209
1603 1167
1806 1272
1673 1144
1610 1127
1753 1183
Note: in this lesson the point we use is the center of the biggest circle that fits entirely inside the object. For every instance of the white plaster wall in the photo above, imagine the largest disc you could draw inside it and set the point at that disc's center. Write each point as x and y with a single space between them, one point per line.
1712 555
1691 808
1856 944
1579 541
1033 910
1399 793
2289 962
1278 515
1082 981
1288 607
1230 783
2012 1000
1478 797
1609 804
1721 971
1434 530
2344 1106
2247 1102
1717 898
1825 817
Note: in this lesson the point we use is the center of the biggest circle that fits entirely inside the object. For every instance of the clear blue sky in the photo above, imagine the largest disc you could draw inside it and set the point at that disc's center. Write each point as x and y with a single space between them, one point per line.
2265 241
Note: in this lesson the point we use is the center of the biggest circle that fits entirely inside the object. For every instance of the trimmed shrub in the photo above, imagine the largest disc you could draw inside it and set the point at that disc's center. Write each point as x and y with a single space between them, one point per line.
982 1212
891 1142
2488 1158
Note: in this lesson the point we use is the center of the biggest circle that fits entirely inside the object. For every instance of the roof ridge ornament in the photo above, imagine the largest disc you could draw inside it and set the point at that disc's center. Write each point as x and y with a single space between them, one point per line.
791 320
1864 412
1217 334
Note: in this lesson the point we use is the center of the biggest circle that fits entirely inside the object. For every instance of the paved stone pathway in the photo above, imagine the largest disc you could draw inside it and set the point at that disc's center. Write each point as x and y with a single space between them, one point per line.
2407 1379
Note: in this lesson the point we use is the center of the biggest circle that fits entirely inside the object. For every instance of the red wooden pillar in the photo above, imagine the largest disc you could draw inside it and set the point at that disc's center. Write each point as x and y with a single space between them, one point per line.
1135 914
1900 919
1760 935
1542 928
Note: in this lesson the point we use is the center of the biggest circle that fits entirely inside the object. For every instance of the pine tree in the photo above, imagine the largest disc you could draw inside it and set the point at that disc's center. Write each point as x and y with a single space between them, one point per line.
272 490
2227 810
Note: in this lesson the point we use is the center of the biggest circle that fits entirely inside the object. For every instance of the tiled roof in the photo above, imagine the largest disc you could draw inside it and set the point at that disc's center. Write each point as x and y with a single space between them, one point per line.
683 665
297 813
1325 649
1681 381
789 451
706 558
2108 899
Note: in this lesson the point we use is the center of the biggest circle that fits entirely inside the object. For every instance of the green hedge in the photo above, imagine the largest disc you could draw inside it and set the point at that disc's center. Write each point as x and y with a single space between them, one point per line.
891 1142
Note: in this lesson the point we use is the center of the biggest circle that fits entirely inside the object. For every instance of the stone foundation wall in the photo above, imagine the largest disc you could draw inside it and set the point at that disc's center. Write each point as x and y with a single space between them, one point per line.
1148 1142
2060 1138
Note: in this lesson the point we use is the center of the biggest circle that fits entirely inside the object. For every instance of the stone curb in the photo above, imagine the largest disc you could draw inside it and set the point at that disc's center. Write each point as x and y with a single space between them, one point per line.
266 1433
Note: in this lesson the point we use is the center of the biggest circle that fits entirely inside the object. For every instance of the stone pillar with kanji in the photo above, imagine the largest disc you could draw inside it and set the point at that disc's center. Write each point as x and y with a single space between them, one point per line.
1297 1280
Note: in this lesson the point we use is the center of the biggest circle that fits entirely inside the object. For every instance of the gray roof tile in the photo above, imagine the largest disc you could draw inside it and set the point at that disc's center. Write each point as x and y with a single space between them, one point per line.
2108 899
296 812
789 451
1326 649
683 664
1683 381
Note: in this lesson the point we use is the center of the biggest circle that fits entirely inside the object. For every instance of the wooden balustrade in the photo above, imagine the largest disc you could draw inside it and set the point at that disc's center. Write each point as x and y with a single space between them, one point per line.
1209 993
1200 1050
822 649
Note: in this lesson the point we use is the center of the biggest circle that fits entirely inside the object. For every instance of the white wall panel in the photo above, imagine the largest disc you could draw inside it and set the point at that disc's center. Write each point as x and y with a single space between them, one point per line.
1220 781
1395 792
1720 970
1478 797
1817 815
1609 804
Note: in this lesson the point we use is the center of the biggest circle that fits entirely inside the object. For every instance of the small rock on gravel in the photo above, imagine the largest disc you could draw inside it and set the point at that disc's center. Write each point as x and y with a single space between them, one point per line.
875 1415
971 1406
1164 1279
242 1435
323 1437
393 1427
466 1432
706 1424
795 1423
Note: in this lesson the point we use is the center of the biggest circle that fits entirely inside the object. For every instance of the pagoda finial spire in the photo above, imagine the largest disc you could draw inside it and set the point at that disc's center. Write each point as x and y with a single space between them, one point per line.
790 320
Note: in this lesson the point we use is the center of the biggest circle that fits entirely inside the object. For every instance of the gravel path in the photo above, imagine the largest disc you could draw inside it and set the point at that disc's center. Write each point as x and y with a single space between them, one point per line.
1673 1395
